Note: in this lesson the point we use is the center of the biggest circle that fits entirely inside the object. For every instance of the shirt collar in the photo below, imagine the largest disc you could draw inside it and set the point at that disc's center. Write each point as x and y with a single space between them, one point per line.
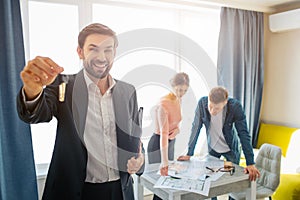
88 80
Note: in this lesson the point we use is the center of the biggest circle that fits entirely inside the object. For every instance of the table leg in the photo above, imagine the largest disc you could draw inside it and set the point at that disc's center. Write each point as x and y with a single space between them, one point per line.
139 189
251 194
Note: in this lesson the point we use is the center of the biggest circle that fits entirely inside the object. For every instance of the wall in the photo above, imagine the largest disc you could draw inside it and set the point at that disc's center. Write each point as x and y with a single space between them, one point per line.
281 96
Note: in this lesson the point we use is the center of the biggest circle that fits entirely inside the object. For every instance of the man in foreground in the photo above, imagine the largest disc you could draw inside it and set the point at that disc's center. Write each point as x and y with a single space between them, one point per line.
97 145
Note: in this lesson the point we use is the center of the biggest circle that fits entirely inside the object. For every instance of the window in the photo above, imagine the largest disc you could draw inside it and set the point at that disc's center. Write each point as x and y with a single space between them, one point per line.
53 36
188 42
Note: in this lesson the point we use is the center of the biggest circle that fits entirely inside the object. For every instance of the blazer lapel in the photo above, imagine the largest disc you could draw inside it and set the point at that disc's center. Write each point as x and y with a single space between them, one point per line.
80 103
122 113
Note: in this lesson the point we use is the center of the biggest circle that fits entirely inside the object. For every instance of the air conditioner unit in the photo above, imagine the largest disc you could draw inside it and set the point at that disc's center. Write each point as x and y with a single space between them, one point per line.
285 21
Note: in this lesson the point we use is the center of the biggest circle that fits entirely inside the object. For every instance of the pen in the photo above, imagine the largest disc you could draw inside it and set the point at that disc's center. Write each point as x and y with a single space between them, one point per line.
210 169
174 177
140 120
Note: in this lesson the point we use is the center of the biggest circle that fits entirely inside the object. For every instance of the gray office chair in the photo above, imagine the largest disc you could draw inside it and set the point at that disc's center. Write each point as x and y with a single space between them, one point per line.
268 163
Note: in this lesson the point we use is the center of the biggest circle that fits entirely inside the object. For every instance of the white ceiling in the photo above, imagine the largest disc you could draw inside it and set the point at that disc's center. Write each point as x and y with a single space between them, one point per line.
267 6
256 5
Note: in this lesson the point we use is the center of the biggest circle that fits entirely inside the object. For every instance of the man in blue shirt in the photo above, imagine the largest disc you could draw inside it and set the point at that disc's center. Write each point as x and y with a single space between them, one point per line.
220 115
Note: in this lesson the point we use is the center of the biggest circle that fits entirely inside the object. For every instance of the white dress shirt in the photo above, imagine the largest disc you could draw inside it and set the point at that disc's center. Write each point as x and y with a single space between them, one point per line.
100 134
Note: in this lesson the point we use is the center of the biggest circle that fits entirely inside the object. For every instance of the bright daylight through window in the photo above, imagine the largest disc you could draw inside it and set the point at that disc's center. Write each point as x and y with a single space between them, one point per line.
53 30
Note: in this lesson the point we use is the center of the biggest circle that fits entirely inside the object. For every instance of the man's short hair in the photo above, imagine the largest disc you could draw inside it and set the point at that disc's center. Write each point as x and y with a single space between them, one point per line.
96 28
218 94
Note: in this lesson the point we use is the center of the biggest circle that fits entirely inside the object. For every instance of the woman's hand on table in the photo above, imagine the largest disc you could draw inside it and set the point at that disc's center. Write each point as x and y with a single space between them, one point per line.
164 170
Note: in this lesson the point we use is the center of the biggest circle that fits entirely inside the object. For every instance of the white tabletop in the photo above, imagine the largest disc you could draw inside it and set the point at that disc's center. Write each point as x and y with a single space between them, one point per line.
227 183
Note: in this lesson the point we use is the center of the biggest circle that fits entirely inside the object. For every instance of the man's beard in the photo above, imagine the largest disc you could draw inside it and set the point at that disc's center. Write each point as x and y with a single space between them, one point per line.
89 67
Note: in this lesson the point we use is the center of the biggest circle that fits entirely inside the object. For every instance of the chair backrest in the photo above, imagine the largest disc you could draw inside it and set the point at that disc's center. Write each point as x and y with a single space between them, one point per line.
268 163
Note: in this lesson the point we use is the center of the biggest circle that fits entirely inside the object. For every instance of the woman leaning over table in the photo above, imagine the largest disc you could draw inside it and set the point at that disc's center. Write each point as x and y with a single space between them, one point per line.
167 119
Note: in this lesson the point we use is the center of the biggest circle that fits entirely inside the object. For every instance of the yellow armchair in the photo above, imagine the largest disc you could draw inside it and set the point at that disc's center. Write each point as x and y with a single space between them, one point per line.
276 135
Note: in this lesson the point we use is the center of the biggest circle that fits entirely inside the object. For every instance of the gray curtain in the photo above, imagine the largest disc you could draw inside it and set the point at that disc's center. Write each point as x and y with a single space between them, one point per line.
17 170
241 61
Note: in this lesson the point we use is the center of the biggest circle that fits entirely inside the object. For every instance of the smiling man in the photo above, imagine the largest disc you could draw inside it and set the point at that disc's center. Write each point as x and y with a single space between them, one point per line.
97 145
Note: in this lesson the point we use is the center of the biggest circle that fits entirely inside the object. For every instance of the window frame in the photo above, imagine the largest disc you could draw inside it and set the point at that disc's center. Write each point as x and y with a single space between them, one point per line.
85 8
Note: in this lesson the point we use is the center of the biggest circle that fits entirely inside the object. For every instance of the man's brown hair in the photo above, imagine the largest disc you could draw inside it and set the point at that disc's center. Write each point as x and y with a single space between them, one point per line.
96 28
218 94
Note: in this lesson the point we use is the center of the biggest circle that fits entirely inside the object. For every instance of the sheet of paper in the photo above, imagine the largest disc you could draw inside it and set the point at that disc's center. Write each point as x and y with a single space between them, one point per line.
189 185
189 177
195 171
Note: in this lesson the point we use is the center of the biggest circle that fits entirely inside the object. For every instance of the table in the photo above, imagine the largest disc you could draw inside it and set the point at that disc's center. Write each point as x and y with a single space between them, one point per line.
238 182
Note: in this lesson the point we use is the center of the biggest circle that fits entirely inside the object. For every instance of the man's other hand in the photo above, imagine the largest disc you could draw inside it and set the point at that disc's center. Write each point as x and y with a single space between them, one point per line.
184 158
134 164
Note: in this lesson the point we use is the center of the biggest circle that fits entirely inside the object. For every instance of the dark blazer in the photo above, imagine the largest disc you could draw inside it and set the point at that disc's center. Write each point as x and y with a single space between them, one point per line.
67 171
235 129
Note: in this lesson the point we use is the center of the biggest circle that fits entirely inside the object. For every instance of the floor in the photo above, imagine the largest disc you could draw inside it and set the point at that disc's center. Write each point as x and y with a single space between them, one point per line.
150 196
223 197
